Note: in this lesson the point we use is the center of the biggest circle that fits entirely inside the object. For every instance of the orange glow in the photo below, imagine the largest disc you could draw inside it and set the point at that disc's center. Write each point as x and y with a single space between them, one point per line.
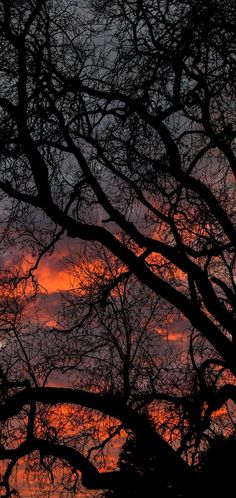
53 280
73 423
220 412
172 335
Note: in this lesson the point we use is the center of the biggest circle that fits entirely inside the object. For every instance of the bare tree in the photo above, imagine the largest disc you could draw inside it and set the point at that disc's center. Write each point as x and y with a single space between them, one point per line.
117 127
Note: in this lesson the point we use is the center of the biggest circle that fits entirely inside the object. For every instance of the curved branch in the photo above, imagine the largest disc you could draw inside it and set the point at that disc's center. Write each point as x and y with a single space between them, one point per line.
170 463
91 477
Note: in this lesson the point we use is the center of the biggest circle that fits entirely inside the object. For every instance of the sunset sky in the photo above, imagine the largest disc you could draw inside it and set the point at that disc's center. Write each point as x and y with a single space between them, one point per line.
117 246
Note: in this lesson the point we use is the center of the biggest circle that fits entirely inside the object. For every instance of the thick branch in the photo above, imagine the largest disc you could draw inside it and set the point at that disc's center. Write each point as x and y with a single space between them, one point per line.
91 477
172 467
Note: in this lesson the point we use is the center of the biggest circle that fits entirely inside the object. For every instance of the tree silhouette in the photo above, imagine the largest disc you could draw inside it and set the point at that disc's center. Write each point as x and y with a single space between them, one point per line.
135 460
218 464
117 129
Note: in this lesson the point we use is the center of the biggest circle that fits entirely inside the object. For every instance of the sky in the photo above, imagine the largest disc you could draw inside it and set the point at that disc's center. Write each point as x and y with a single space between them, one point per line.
56 273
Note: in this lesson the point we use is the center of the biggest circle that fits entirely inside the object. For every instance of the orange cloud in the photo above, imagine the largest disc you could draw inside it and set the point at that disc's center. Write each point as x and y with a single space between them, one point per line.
53 279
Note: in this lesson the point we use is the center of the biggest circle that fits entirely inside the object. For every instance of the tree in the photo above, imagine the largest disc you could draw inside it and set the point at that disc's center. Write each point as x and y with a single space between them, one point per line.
135 459
217 465
117 127
96 343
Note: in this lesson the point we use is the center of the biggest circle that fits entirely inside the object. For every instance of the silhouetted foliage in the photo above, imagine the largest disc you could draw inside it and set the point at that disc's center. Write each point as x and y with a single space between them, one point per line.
141 468
218 466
